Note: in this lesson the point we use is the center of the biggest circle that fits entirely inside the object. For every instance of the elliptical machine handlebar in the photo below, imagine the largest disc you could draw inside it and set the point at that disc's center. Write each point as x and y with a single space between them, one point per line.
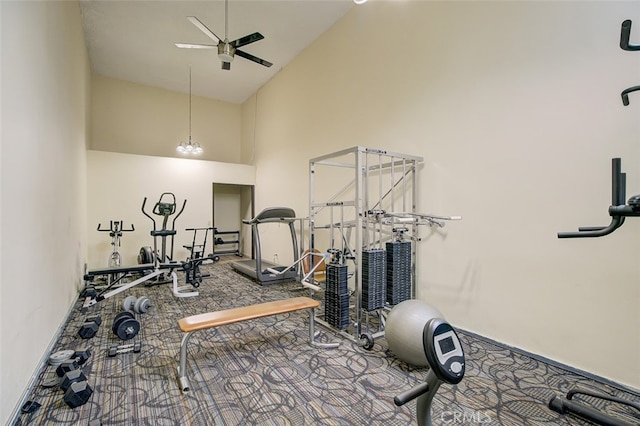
618 210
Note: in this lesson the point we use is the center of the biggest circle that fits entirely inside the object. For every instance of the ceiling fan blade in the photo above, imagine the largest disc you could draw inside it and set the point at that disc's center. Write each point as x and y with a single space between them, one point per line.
194 46
202 27
226 66
243 41
253 58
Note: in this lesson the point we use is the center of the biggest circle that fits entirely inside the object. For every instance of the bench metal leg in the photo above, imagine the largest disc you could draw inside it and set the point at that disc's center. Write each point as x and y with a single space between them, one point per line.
182 370
312 333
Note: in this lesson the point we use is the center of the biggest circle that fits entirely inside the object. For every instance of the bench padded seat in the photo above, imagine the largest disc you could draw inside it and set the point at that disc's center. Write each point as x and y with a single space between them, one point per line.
230 316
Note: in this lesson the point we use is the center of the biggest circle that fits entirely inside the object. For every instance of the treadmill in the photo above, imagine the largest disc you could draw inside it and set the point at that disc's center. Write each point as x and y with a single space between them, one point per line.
258 268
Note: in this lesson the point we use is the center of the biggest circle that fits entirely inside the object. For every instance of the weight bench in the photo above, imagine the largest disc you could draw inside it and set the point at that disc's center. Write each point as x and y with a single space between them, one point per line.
244 313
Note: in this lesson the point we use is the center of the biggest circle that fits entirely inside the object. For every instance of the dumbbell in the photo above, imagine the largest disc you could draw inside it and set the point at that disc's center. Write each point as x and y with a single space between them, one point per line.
137 304
125 326
80 355
90 327
77 394
123 349
73 383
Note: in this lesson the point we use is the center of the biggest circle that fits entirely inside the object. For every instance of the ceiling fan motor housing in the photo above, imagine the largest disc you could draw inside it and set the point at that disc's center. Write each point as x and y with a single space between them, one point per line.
226 51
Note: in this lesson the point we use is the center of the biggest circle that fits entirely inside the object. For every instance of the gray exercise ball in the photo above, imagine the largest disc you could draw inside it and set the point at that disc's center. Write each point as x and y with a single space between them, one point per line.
403 330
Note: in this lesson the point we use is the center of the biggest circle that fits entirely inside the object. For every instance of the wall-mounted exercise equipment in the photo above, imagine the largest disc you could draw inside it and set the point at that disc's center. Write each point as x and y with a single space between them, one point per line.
625 34
619 210
371 224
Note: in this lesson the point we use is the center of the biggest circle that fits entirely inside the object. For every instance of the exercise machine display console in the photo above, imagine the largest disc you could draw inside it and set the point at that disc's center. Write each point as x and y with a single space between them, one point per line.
445 355
444 351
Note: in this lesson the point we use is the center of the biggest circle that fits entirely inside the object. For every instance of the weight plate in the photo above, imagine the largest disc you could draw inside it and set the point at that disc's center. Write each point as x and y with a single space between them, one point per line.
119 318
128 328
51 381
59 357
142 305
145 256
129 302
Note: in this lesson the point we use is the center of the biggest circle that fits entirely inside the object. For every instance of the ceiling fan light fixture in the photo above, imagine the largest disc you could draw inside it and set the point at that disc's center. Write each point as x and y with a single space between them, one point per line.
226 51
359 1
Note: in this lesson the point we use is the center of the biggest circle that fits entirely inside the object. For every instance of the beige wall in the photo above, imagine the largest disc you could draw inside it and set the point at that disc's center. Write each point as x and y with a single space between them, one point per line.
136 119
45 111
515 107
117 184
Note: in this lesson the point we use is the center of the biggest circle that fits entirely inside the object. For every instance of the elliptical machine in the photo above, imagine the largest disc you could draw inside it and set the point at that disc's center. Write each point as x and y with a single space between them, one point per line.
165 207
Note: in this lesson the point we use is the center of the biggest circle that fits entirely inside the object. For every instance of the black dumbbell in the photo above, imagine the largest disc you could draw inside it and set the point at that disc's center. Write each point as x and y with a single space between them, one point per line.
138 304
77 394
89 291
125 326
90 327
81 355
70 377
67 366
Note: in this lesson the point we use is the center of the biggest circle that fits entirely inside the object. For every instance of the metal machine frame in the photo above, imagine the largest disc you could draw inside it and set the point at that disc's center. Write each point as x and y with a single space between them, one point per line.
377 204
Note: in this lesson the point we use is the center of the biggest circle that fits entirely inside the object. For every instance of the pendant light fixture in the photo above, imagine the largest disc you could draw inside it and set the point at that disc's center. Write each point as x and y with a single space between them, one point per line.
189 147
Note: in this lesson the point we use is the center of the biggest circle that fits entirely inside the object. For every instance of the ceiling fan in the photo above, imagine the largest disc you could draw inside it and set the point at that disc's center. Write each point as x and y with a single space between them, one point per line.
226 49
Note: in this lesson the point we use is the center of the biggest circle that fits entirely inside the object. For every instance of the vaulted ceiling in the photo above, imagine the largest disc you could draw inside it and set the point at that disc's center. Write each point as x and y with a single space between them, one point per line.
133 40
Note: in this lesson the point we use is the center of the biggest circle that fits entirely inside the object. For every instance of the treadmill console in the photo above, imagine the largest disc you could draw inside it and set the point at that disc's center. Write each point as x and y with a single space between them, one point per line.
443 350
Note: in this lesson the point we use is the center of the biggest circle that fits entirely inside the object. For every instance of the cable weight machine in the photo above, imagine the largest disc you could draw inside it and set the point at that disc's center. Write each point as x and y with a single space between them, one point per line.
372 215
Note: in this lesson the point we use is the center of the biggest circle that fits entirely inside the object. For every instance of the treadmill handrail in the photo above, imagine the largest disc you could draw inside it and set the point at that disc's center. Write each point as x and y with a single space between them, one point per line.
273 214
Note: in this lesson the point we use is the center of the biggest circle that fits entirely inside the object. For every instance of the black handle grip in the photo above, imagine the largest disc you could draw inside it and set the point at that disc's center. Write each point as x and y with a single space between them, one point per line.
411 394
625 33
625 94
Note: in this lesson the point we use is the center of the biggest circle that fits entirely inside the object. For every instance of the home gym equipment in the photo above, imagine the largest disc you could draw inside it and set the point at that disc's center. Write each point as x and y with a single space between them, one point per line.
372 222
403 331
115 230
135 347
139 305
234 242
90 327
262 270
619 210
625 34
443 350
125 326
151 262
191 266
165 207
194 323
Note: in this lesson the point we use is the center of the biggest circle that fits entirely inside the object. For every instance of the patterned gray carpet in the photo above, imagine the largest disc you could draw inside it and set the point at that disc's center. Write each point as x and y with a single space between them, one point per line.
263 372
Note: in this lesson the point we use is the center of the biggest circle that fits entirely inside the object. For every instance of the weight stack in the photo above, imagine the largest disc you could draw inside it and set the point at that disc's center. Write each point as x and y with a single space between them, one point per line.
336 297
374 279
398 271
